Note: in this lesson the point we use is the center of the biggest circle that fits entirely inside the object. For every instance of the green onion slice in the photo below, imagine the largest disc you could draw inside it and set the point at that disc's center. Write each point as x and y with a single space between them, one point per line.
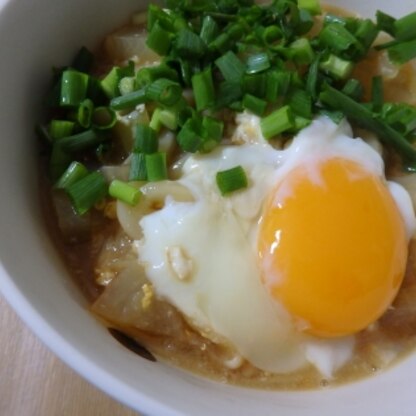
231 180
124 192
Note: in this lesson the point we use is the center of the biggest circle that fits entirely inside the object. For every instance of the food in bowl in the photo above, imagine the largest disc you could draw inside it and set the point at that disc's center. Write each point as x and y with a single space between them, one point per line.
218 187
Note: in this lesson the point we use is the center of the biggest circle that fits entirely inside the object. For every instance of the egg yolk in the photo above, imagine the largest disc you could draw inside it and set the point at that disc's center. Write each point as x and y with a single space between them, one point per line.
332 247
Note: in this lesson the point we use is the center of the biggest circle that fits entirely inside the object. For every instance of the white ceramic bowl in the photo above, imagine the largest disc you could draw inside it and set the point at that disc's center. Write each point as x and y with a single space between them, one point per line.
34 36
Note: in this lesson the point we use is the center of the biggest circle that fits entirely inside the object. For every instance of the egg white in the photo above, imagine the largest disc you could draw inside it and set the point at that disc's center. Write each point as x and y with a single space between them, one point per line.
201 255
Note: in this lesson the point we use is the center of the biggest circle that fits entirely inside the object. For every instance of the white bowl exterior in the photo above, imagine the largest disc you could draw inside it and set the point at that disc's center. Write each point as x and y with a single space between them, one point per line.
34 36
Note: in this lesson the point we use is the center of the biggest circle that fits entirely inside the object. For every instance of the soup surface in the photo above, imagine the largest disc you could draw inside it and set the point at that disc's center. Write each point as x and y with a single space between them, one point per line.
179 272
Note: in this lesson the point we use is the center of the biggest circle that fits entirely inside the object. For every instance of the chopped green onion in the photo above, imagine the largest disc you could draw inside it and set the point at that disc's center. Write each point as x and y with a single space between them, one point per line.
405 28
169 119
302 22
312 77
84 113
255 84
402 52
301 103
79 142
301 123
301 51
230 66
145 76
231 180
228 93
255 105
74 86
211 133
277 122
337 67
257 63
164 91
277 84
189 45
155 122
271 34
203 88
401 117
209 30
60 128
103 118
126 85
129 100
377 96
159 39
189 137
385 22
124 192
87 192
145 140
312 6
366 33
365 118
110 83
336 37
75 172
354 89
138 171
156 167
222 43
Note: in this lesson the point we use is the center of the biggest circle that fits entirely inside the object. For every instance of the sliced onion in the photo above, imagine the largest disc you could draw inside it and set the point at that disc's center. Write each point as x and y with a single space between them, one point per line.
120 172
127 43
125 128
121 305
74 228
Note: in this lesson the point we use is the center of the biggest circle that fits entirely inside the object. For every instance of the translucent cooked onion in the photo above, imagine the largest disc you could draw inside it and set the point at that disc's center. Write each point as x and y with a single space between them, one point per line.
123 305
130 42
155 194
112 172
74 228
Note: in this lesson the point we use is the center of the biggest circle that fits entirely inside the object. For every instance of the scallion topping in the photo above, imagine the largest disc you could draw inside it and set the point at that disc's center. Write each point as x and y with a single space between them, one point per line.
74 86
203 88
156 167
145 140
86 192
75 172
61 128
277 122
103 118
255 105
231 180
257 63
231 67
84 113
164 91
124 192
129 100
80 141
138 171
